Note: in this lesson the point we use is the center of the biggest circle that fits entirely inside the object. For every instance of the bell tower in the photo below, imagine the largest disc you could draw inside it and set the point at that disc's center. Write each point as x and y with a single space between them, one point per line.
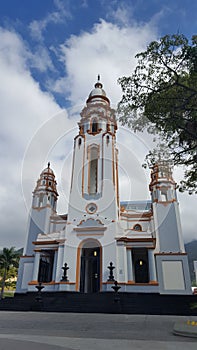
171 259
94 183
165 207
43 206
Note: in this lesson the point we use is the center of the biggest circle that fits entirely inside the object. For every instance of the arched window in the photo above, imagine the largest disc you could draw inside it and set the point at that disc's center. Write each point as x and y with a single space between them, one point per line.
93 169
107 140
94 126
79 142
137 227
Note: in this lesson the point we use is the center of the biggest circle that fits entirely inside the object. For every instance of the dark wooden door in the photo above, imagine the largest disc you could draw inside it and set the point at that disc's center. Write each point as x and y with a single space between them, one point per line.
90 270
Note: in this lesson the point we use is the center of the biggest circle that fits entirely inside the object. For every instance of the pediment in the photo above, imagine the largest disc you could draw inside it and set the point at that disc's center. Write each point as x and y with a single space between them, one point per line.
90 223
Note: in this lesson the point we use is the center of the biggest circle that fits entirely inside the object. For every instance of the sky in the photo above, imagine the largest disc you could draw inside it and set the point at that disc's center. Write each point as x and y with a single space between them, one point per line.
51 52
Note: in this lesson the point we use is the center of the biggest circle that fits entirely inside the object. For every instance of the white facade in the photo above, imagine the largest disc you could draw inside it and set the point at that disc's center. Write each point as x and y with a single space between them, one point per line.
143 240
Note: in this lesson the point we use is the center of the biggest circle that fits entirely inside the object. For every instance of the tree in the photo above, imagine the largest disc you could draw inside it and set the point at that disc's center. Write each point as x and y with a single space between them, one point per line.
8 258
161 96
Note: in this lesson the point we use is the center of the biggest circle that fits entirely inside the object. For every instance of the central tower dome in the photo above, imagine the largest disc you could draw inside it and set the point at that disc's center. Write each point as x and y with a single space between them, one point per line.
98 94
97 116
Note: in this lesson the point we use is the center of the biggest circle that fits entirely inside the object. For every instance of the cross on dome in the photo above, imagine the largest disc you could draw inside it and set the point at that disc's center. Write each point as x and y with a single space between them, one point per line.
98 83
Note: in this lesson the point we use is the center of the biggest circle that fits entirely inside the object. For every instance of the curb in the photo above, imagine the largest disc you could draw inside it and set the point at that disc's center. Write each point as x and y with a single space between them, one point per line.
186 329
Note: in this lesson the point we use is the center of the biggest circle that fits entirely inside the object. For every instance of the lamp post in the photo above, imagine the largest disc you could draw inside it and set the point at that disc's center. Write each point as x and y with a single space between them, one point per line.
39 288
65 268
116 288
111 268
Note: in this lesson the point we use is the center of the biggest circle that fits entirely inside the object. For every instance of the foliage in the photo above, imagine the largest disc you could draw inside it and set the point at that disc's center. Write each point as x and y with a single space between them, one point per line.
9 260
193 306
161 96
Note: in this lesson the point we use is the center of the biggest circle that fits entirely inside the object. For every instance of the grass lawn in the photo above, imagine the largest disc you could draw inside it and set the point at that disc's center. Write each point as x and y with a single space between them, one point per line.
9 294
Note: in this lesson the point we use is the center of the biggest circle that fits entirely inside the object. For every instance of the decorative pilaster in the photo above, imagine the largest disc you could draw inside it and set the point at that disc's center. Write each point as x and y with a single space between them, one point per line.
36 266
129 265
60 256
152 269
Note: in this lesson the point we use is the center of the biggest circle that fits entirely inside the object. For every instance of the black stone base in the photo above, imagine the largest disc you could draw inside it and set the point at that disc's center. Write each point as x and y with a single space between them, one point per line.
103 302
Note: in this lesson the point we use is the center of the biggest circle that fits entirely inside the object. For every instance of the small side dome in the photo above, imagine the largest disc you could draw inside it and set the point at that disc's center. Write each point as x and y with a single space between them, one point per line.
98 92
47 170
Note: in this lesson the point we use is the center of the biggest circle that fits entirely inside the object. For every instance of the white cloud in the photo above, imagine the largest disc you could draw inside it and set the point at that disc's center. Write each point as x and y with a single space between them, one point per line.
37 27
41 60
24 109
12 50
107 50
121 13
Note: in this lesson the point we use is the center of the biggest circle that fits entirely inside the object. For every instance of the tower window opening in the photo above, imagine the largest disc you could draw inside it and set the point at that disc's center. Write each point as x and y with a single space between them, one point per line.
41 197
79 142
93 170
164 196
107 140
49 183
94 126
52 201
154 194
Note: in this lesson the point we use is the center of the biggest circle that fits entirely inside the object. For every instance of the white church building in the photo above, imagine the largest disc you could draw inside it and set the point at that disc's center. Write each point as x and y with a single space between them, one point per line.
141 239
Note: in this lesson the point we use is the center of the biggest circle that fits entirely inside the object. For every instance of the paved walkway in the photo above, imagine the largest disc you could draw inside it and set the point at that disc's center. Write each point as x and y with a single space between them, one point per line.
47 331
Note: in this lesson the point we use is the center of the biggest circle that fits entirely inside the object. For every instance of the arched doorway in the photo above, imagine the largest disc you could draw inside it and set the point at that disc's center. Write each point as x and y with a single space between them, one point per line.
90 267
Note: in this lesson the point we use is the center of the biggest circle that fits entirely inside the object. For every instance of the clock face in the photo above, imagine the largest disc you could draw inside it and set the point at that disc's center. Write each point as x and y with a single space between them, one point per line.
91 208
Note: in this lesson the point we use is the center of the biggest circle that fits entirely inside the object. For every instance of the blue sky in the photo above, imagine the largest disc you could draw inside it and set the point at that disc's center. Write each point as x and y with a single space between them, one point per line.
48 24
50 54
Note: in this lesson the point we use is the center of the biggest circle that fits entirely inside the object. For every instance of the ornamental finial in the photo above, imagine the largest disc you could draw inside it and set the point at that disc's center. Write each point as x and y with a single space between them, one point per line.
48 165
98 83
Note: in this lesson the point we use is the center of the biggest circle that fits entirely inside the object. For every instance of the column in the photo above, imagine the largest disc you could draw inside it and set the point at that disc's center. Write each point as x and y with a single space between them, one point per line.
129 265
121 268
54 266
36 266
59 264
152 269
